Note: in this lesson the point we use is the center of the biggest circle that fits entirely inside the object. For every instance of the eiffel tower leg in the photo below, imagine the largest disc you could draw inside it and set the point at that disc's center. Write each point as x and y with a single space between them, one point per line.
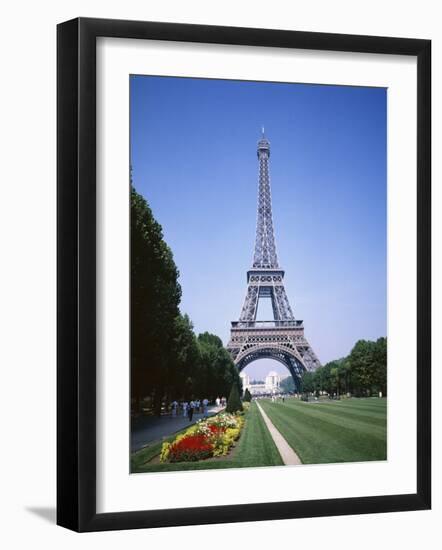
311 362
283 305
248 312
296 372
275 306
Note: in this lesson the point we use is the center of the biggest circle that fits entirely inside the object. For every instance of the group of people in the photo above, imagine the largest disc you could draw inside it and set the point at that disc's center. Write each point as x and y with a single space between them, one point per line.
278 397
221 401
274 397
195 406
189 408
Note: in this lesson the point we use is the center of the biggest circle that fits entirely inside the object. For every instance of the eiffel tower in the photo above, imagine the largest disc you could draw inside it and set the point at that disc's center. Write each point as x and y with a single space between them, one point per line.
283 337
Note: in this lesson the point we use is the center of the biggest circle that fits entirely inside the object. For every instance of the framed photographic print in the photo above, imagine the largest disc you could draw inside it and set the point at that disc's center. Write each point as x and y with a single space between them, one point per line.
243 274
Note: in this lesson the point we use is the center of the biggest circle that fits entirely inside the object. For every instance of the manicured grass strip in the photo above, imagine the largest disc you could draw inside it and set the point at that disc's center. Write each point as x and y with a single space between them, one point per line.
254 448
363 404
374 418
332 432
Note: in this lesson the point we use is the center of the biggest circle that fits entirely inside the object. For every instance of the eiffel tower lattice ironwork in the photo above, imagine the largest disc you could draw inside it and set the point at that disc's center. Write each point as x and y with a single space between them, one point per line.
283 337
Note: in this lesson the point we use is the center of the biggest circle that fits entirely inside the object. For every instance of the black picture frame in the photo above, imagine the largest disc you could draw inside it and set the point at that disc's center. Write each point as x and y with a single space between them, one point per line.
76 273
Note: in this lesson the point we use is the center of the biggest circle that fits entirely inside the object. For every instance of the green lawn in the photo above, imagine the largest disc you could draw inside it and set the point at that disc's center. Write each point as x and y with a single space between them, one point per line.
254 448
350 430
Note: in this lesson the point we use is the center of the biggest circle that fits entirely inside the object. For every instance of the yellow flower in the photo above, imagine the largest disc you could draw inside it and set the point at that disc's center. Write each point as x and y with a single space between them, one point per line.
165 448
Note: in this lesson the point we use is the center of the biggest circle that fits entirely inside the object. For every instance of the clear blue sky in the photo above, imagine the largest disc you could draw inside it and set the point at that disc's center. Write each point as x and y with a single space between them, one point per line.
193 153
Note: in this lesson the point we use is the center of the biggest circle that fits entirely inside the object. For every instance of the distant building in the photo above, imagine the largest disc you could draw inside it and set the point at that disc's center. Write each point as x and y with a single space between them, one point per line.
245 378
273 381
270 385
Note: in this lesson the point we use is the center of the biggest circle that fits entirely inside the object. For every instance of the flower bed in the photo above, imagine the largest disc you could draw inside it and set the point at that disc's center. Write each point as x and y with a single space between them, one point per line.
214 436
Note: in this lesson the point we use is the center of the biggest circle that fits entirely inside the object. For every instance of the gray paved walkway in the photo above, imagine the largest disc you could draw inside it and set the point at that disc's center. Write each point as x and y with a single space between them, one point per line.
146 429
288 455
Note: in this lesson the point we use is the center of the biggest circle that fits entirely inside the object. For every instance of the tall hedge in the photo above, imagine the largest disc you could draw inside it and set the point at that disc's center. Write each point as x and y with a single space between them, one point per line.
234 402
247 395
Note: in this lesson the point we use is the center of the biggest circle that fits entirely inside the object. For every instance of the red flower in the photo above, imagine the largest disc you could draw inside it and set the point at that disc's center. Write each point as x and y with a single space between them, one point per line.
216 430
190 448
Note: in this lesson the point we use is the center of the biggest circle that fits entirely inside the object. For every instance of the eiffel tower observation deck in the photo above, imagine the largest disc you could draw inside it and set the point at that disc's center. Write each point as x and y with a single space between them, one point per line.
281 338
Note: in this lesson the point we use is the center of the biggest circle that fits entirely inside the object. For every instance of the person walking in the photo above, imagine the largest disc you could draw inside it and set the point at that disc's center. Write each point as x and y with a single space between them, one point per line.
190 410
174 408
185 408
205 407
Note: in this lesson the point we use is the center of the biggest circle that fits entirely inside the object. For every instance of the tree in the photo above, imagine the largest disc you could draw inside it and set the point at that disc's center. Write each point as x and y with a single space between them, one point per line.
332 380
380 365
363 371
184 356
247 396
234 402
361 366
308 384
217 371
167 360
288 385
323 379
344 375
211 339
155 296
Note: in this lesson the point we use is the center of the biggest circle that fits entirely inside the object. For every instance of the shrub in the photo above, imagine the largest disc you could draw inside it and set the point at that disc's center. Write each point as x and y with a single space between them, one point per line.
247 396
234 402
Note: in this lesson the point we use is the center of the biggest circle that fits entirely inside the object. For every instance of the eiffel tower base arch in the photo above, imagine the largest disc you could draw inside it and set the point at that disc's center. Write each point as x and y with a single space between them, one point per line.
293 365
283 341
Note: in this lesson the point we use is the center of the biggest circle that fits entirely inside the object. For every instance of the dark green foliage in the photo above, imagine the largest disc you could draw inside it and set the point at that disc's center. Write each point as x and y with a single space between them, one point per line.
216 371
167 360
288 385
362 373
380 365
234 402
308 382
247 396
210 339
155 296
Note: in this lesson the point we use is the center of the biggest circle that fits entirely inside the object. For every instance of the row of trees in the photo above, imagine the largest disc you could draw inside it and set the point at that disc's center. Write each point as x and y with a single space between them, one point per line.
168 361
363 372
287 385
